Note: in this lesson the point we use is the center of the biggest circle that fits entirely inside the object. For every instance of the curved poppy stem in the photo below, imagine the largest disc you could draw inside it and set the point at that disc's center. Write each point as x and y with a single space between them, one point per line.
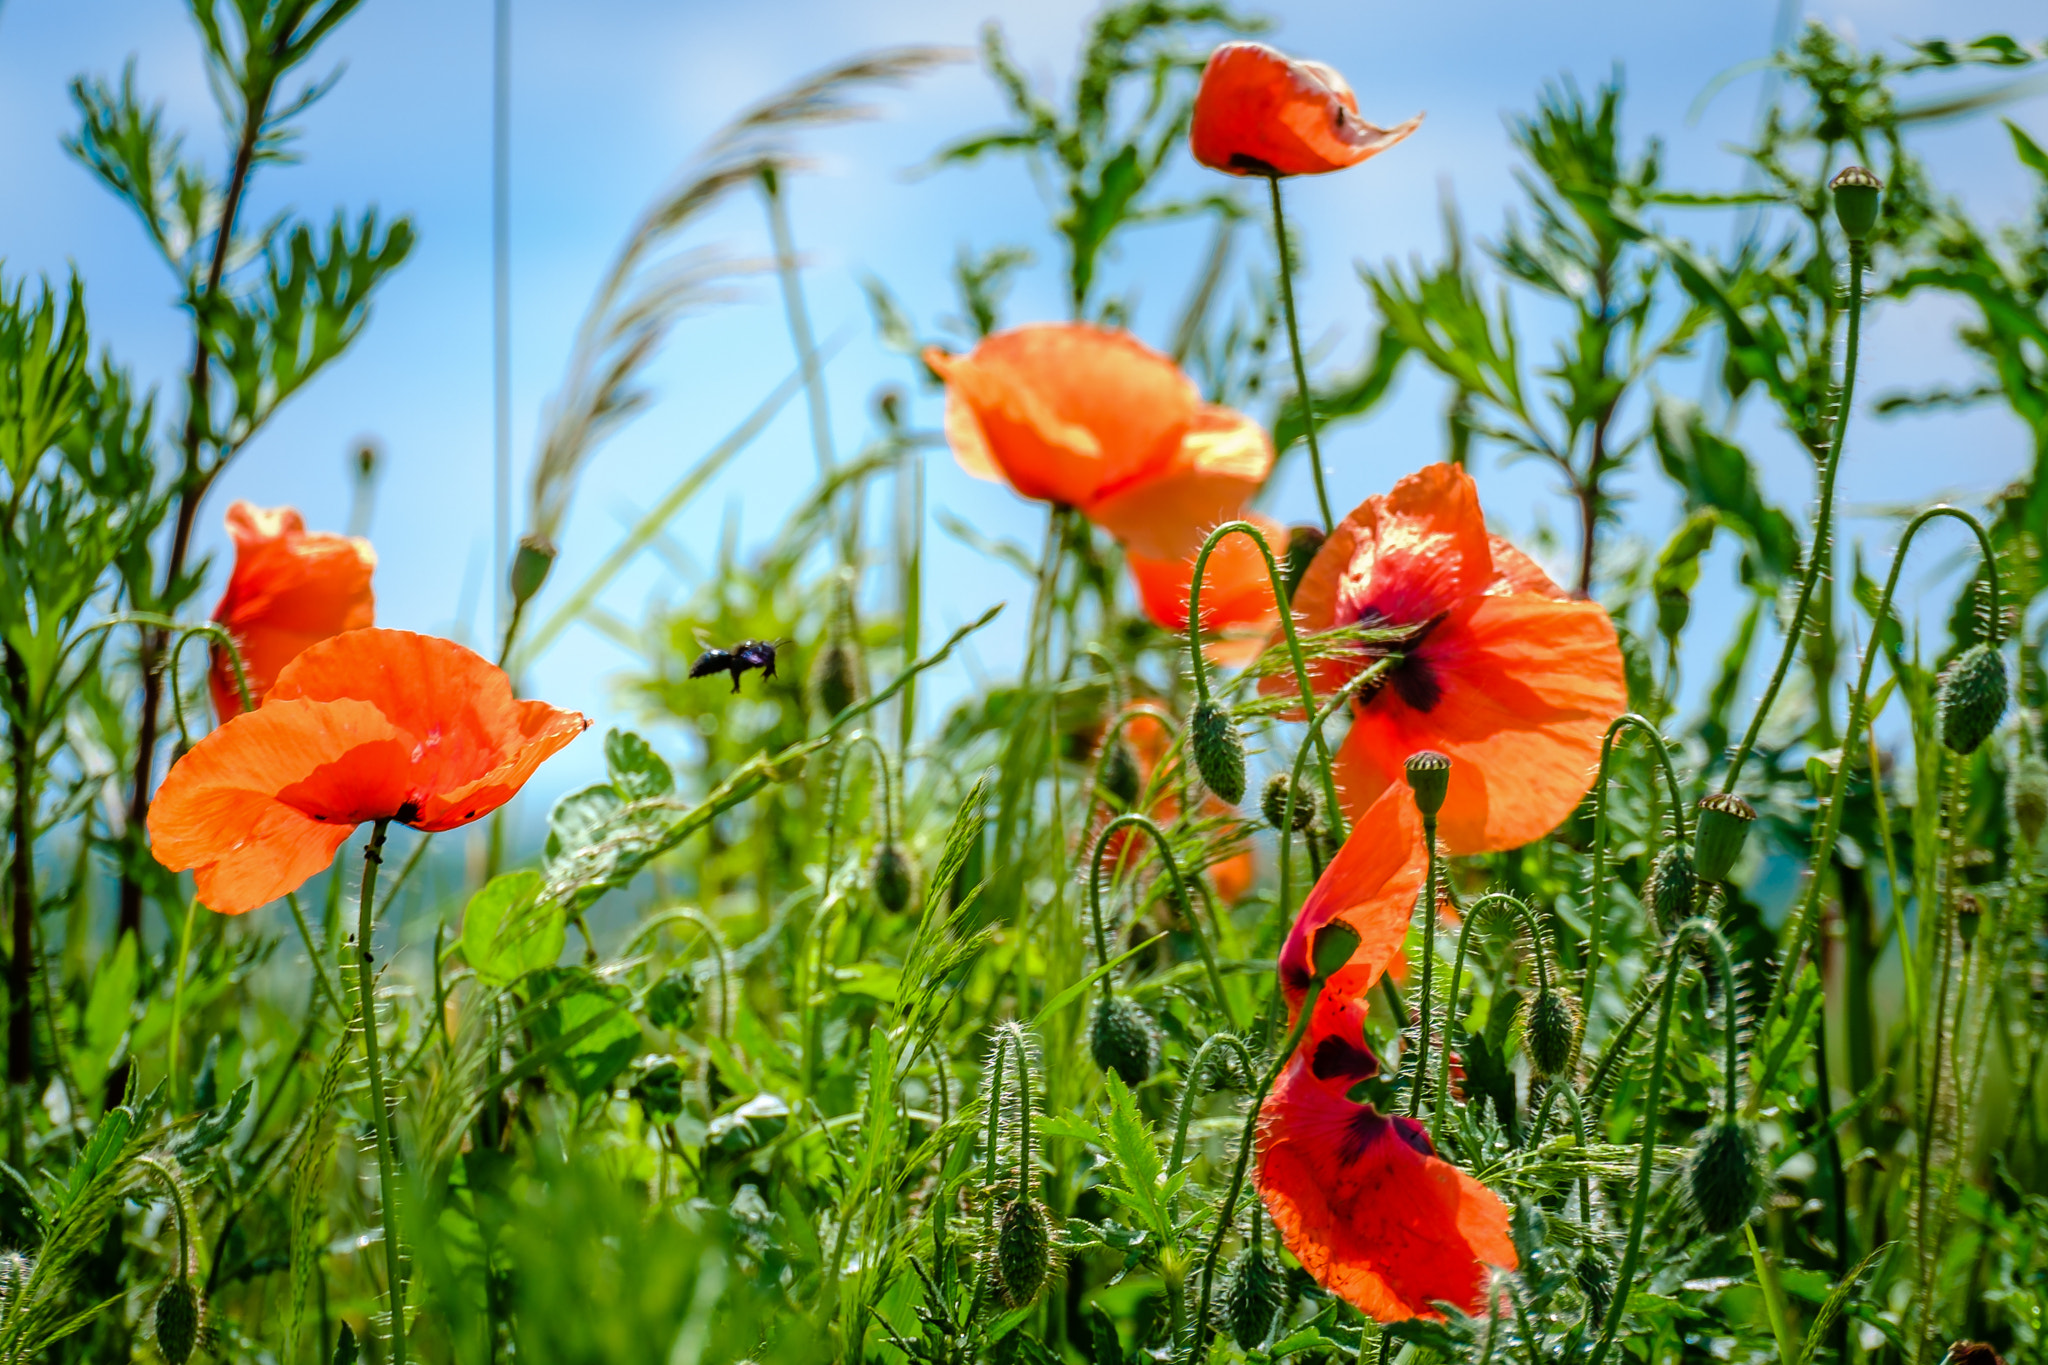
1425 1022
1822 522
1793 958
1182 902
1191 1092
1228 1212
387 1174
994 1103
1119 723
1473 912
1646 1161
835 806
1596 894
1308 404
1283 603
1579 1132
685 915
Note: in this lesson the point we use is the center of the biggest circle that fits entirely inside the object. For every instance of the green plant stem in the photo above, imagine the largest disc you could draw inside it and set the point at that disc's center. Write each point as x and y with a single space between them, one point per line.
1425 1021
323 975
387 1174
1190 1092
1580 1133
1776 1308
1308 405
1596 892
1004 1044
1816 559
1930 1098
791 279
685 915
1183 903
178 991
1474 912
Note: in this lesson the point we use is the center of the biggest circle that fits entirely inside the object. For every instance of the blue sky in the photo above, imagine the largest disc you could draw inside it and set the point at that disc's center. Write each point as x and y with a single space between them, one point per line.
611 98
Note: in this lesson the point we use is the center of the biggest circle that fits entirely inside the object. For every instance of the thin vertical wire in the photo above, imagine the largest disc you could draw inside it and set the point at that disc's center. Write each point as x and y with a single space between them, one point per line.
501 313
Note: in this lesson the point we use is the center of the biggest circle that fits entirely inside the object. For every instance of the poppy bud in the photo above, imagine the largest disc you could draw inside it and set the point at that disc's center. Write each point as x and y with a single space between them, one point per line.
1331 950
1273 803
1724 822
1122 1039
530 568
1721 1176
1023 1252
1547 1031
366 461
893 878
1429 777
1256 1291
672 1001
1969 914
660 1088
1116 772
1218 749
1595 1274
177 1321
835 680
1972 1353
1970 697
2030 798
1302 544
1668 890
1856 191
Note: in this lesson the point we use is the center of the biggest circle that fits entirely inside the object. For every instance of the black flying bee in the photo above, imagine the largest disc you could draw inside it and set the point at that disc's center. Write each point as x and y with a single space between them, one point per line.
743 657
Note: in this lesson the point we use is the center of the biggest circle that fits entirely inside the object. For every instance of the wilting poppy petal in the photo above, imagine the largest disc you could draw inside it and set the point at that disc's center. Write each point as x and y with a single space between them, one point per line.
290 588
1221 463
368 725
1237 593
1259 113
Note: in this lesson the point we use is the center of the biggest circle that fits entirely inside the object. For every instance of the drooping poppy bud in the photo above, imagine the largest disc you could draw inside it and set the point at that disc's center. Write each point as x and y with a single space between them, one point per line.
1116 772
835 677
1969 915
1257 1288
177 1321
1547 1032
1595 1275
1273 803
1970 698
1218 750
1023 1252
1332 948
1668 890
893 878
1856 194
1258 112
1122 1039
1429 777
1723 825
530 568
1721 1176
1302 544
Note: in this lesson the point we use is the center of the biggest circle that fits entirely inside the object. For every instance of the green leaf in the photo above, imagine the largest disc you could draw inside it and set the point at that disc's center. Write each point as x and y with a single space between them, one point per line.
594 1036
1715 475
1678 570
636 770
509 929
215 1125
1130 1146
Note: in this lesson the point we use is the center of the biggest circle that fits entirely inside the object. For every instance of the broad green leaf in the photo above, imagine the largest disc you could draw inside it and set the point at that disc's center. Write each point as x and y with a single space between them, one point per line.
508 930
636 770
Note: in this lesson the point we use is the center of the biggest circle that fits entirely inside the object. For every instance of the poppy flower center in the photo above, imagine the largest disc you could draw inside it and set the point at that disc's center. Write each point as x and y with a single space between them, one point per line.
1338 1058
1411 676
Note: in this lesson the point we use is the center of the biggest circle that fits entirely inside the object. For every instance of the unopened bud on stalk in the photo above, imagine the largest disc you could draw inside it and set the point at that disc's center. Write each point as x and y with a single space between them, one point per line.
1257 1288
1724 821
1856 194
1668 891
835 677
1969 914
1116 771
1429 777
1547 1032
1121 1039
1302 544
1023 1252
1595 1274
1973 1353
1331 949
1218 750
1970 698
177 1321
893 878
1721 1176
530 567
1273 803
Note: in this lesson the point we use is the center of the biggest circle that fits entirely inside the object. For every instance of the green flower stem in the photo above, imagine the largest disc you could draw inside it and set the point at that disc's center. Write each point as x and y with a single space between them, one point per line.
1646 1162
178 991
685 915
1227 1214
1004 1044
213 631
1119 723
181 1214
1580 1133
1808 919
1190 1092
1776 1308
1596 895
1617 1047
1372 673
1816 559
1425 1011
1287 628
834 806
1182 902
387 1175
1308 406
1930 1099
1473 913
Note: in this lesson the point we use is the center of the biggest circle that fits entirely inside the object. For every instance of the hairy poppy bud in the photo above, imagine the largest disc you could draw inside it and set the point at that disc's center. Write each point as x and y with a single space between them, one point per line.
672 1001
1970 697
1668 891
1331 949
1256 1291
1023 1252
1302 544
1856 191
1273 803
835 681
1595 1275
1218 750
659 1088
1721 1176
1429 777
1973 1353
893 878
2030 798
1116 772
1724 822
1122 1039
1547 1031
1969 914
177 1321
530 566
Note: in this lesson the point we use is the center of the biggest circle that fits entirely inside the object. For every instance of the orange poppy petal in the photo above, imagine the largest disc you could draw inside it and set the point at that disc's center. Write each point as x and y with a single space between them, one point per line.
1166 515
219 811
290 589
1371 885
1526 687
1237 594
542 733
1066 412
1259 113
1514 571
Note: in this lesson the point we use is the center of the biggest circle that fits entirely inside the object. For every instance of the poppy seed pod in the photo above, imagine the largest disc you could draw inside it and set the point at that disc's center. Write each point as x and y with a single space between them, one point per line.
1547 1031
1595 1275
1970 698
1302 544
177 1321
530 566
1429 777
1218 750
1856 194
893 878
1721 1176
835 681
1256 1291
1969 915
1668 890
1723 825
2030 798
1121 1039
1023 1252
1116 772
1331 951
1273 803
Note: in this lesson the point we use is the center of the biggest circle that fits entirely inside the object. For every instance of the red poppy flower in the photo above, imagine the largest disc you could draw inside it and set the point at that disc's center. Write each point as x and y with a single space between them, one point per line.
1094 419
1237 593
1513 680
1150 740
1360 1197
291 588
370 725
1258 112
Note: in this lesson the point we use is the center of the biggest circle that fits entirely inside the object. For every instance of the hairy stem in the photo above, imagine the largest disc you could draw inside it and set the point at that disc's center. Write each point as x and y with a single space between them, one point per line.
387 1173
1308 406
